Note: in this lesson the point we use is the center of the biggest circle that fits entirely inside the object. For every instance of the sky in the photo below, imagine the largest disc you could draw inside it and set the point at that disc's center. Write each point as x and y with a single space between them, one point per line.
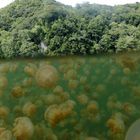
3 3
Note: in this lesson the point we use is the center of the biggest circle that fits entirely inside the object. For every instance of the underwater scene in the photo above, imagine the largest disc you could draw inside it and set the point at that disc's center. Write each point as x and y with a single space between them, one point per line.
71 98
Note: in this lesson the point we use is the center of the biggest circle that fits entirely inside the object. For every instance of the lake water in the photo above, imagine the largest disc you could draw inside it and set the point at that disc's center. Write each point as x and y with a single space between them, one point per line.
69 98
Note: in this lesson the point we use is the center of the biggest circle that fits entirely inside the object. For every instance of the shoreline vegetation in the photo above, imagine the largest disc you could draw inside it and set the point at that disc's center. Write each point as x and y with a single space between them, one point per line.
44 28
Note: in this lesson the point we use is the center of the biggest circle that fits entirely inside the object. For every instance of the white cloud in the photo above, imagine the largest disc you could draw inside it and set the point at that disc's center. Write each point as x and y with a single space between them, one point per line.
73 2
3 3
108 2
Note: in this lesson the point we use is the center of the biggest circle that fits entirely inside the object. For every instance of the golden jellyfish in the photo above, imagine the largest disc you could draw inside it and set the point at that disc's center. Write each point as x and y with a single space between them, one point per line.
116 124
91 138
29 109
4 68
127 62
53 115
133 132
93 107
100 88
23 128
67 108
27 82
57 113
47 76
71 74
30 70
73 84
17 91
83 80
13 67
63 96
82 99
3 82
49 99
58 90
126 71
4 111
5 134
129 108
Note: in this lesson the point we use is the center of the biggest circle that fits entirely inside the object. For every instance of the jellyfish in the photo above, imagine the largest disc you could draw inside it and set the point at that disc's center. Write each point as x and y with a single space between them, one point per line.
23 128
133 132
73 84
5 134
17 91
3 82
46 76
82 99
4 68
53 115
30 70
29 109
71 74
4 111
116 124
56 113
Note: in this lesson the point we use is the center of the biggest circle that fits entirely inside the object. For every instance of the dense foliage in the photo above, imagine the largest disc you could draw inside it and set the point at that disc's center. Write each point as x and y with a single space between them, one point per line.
30 28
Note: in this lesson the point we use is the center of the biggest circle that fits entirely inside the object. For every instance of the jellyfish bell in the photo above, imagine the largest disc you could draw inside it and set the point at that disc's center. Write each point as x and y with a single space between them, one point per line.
23 128
5 134
133 132
46 76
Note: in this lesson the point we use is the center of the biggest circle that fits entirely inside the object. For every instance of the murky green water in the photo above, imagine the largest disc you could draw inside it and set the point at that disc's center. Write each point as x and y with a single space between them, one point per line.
77 98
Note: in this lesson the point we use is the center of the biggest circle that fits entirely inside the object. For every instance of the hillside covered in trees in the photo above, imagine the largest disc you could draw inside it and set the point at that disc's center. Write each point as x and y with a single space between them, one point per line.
30 28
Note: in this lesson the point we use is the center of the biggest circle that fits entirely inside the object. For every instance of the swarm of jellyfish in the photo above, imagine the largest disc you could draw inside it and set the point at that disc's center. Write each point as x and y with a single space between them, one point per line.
71 98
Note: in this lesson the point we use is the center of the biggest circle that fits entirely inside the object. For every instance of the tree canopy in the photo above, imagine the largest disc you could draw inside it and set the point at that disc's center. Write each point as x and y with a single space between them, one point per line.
65 30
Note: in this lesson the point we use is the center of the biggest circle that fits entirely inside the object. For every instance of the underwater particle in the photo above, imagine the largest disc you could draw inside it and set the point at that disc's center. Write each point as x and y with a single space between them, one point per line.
30 70
3 82
46 76
73 84
23 128
4 111
116 124
29 109
126 71
5 134
82 99
17 91
133 132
